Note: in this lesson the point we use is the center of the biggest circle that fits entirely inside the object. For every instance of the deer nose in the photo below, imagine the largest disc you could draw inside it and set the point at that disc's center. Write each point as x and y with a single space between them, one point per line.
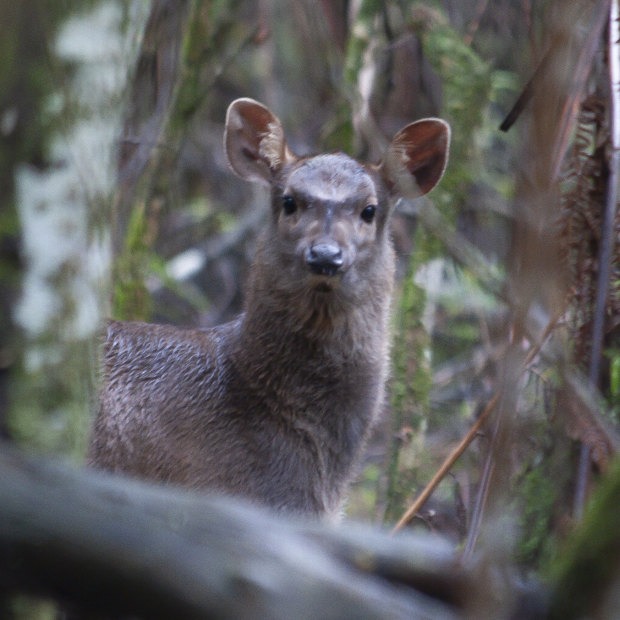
324 258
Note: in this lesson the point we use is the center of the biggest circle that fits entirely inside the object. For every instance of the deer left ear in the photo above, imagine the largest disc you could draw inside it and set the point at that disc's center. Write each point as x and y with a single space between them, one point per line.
416 158
254 141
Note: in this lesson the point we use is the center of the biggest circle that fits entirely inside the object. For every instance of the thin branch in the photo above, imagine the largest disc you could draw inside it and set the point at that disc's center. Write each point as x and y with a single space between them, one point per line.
446 466
471 434
526 94
481 497
489 463
537 346
475 23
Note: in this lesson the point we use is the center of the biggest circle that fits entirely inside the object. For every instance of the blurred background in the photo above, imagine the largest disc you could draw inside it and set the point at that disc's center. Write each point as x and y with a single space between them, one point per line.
116 201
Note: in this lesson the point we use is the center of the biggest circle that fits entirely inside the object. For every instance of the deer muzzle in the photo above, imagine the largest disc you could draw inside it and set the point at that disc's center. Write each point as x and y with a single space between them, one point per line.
324 259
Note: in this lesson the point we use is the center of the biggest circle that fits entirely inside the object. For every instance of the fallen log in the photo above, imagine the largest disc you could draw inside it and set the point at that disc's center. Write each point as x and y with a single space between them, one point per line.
108 545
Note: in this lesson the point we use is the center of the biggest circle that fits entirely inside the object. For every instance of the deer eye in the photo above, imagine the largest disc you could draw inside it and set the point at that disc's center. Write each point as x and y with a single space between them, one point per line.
368 213
289 206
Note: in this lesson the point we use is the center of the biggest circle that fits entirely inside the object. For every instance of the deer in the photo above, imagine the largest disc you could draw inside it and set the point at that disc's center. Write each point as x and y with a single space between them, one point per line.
277 405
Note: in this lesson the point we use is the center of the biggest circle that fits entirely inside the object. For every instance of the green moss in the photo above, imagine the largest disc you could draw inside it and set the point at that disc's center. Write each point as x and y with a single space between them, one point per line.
536 496
131 297
467 85
410 387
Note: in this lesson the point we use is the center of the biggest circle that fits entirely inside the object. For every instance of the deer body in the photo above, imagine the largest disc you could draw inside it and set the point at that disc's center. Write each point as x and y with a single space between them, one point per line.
276 405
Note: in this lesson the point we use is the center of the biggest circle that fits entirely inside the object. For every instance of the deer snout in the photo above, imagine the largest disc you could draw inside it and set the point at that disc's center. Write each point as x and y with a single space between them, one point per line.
324 258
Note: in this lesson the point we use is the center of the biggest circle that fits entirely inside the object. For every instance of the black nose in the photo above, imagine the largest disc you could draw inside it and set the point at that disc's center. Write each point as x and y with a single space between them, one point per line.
324 258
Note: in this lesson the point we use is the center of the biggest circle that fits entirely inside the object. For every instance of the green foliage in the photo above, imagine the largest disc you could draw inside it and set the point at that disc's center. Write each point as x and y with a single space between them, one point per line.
338 135
614 383
9 228
536 494
470 87
132 300
410 391
362 502
584 574
30 609
214 37
49 395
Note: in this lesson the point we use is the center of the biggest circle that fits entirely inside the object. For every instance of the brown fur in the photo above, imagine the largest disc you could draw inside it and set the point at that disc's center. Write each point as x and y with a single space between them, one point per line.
275 406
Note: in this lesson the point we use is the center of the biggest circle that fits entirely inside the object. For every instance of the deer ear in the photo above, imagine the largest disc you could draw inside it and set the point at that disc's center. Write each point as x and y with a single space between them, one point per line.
254 141
416 158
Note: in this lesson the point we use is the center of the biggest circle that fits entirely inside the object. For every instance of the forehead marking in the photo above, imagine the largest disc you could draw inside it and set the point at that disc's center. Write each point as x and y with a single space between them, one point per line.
334 177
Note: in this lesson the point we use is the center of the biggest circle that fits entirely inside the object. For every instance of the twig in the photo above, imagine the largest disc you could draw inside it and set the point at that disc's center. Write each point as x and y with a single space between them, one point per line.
537 346
446 466
489 463
526 94
468 438
481 497
475 23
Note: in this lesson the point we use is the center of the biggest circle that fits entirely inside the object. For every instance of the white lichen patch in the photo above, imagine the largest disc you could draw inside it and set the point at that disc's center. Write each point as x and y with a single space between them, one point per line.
63 208
67 257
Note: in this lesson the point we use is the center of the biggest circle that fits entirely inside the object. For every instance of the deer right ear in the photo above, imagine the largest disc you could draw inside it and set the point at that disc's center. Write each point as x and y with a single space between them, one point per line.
254 141
417 157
